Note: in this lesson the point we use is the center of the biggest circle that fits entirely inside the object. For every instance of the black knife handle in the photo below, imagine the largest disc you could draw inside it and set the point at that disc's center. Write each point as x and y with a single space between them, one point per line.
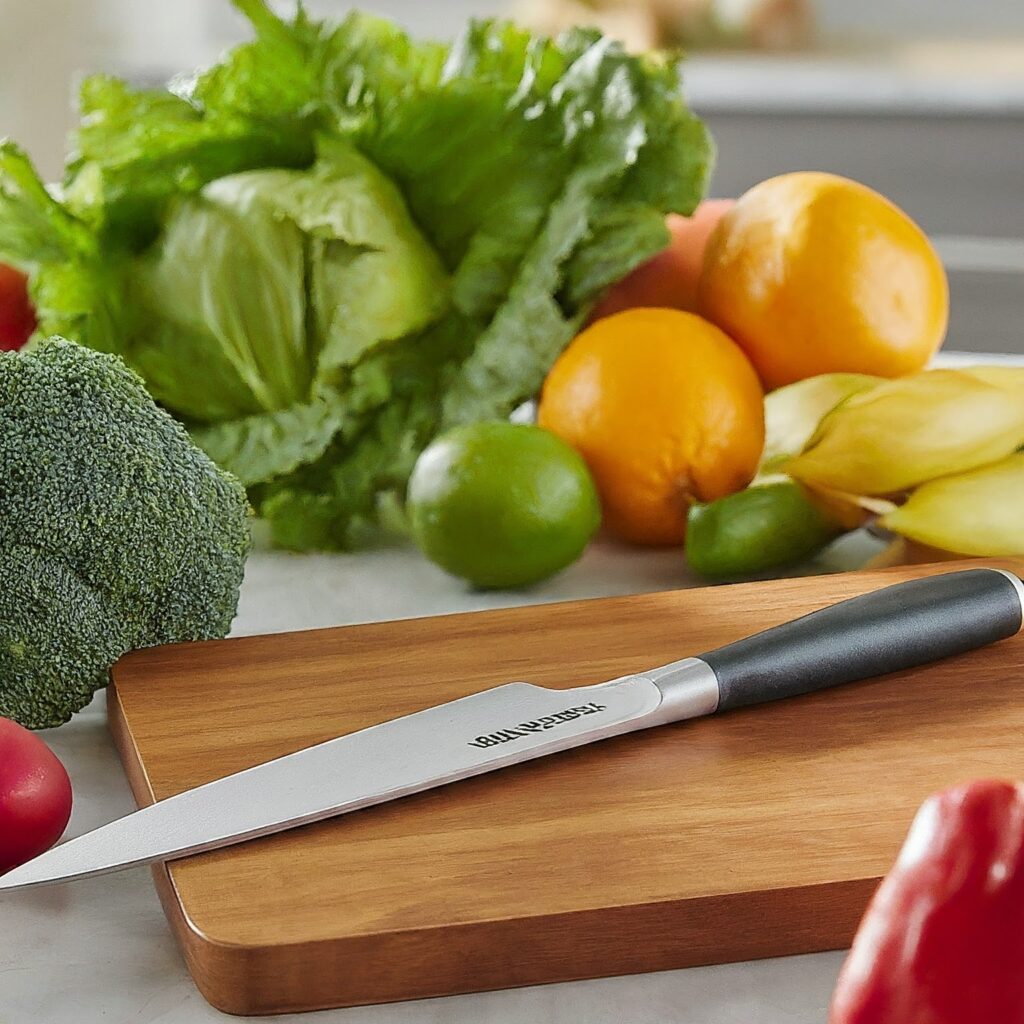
891 629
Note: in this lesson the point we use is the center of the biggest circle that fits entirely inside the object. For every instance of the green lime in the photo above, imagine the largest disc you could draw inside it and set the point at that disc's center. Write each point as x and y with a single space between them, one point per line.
501 504
752 531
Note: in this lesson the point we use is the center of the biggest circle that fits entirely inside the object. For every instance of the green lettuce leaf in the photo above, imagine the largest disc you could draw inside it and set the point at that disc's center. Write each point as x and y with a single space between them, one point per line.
35 229
301 274
260 448
338 241
138 150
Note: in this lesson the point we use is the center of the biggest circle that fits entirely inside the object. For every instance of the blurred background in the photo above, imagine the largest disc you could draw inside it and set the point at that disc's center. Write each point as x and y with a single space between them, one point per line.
921 99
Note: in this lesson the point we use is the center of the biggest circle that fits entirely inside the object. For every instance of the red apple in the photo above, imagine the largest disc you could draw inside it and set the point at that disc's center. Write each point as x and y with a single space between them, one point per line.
17 318
670 278
35 796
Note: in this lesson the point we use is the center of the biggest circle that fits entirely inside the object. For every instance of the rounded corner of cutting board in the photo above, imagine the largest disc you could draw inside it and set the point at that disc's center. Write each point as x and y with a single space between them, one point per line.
230 975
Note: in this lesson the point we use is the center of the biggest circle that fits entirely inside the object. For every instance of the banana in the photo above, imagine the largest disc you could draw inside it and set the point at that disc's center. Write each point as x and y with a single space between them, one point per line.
792 413
904 432
973 513
1009 377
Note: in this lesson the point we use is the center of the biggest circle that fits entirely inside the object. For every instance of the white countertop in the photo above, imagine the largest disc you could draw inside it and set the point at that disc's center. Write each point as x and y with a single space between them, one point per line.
100 950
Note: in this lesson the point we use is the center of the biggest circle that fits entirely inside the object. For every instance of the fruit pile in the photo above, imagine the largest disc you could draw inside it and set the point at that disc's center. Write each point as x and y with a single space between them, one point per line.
931 457
810 287
752 392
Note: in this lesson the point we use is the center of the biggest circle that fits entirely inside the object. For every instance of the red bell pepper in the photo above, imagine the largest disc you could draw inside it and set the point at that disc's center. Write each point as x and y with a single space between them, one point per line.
943 939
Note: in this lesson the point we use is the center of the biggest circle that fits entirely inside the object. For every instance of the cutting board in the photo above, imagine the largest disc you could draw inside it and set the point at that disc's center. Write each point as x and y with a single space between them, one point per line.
758 833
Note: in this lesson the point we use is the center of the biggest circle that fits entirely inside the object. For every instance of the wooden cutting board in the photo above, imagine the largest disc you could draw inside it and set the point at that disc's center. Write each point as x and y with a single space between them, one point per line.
754 834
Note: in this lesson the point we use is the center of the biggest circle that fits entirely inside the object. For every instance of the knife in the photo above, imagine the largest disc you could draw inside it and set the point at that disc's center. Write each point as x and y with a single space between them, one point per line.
890 629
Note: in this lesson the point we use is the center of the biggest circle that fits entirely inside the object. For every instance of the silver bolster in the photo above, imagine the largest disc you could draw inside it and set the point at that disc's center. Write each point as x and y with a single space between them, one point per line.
1018 585
689 689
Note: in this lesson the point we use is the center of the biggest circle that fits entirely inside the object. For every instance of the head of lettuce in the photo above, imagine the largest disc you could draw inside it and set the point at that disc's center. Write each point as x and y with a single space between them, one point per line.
337 242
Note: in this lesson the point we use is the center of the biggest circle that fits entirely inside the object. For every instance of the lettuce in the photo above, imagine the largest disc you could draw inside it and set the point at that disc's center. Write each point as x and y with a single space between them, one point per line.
338 241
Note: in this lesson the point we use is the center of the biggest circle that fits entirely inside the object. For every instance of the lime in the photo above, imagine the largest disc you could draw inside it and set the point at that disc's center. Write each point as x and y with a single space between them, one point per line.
501 504
761 528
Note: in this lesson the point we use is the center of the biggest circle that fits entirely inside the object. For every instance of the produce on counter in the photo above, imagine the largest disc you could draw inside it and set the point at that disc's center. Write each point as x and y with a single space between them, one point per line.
904 432
116 532
811 273
669 280
338 242
17 318
502 504
932 457
35 796
942 941
665 409
764 527
980 512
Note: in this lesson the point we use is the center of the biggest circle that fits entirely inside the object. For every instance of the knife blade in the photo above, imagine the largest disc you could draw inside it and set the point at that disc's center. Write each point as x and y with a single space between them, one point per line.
894 628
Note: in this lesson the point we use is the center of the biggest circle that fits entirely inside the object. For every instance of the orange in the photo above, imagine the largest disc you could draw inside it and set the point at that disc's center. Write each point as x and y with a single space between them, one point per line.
812 273
665 409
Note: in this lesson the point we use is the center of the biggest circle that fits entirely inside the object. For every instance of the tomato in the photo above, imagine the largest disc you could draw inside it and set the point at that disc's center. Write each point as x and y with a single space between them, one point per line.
17 318
35 796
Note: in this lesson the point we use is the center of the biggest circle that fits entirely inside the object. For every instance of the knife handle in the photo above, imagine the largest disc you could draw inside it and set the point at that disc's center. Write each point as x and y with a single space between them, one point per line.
891 629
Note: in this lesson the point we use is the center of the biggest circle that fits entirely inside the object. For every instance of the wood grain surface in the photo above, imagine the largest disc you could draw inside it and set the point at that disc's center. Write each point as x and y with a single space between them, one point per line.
753 834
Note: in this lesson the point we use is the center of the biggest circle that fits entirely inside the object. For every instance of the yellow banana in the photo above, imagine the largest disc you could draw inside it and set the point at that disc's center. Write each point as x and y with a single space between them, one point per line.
904 432
974 513
792 413
1009 377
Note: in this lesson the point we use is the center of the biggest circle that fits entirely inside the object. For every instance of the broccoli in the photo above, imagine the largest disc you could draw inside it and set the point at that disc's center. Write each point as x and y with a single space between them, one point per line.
116 531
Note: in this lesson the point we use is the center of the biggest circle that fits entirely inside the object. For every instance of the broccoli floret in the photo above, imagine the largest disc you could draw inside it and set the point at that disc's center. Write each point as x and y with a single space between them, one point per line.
116 531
